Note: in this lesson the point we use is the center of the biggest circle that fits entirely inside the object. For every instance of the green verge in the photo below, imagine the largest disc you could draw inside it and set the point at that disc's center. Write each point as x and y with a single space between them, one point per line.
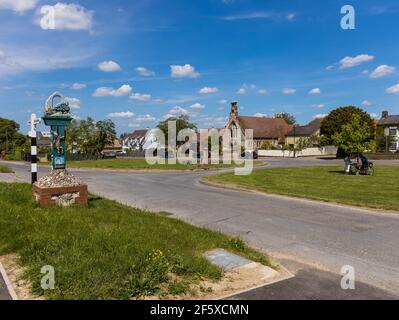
380 191
5 169
108 250
141 164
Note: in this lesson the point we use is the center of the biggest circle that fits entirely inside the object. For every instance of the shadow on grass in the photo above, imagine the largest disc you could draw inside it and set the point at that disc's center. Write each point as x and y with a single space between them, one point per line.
341 172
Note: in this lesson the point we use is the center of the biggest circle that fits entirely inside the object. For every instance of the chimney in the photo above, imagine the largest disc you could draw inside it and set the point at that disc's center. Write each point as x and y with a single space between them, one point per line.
234 109
385 114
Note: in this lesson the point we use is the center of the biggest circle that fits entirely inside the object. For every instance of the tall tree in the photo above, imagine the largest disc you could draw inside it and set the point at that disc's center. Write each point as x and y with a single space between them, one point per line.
289 118
182 122
10 138
354 137
88 136
339 117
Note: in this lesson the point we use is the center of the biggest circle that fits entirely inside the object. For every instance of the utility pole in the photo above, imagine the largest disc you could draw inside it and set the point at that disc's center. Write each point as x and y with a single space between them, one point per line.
33 122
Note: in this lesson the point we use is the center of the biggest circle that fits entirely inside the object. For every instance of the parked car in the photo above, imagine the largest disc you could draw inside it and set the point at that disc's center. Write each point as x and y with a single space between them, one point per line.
109 154
249 155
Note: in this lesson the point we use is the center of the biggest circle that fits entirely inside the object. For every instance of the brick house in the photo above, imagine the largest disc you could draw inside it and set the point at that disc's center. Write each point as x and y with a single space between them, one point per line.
265 130
302 132
390 124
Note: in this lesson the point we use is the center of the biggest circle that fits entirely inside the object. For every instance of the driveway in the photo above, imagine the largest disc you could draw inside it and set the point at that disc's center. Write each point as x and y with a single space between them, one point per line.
313 239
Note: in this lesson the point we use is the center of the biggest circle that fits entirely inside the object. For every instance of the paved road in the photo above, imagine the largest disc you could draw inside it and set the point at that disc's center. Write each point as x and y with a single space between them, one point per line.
4 295
308 234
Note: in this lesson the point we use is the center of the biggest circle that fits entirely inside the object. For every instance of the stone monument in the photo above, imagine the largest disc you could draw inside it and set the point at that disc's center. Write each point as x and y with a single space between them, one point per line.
60 187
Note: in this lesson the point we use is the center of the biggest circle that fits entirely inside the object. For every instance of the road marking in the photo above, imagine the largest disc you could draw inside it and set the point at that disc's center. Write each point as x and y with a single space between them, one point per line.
7 281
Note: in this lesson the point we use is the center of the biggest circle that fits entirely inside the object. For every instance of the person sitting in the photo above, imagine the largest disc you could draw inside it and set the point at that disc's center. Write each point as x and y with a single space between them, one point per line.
364 160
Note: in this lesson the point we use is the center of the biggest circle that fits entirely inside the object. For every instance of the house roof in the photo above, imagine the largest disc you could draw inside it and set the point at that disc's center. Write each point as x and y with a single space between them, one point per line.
265 128
394 119
137 134
307 130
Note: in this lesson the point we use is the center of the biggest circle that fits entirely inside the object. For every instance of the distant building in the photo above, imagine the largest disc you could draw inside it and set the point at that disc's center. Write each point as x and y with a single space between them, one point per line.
390 124
115 146
135 141
265 130
311 129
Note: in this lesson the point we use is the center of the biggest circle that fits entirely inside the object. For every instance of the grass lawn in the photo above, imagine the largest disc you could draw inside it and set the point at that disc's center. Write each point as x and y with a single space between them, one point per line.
141 164
108 250
5 169
380 191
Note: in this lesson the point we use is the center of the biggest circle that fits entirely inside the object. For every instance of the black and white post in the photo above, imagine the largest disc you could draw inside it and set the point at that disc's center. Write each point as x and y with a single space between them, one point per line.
34 121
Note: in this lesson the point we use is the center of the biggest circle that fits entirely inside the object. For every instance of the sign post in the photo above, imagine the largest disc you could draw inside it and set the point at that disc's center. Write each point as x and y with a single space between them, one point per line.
33 122
58 118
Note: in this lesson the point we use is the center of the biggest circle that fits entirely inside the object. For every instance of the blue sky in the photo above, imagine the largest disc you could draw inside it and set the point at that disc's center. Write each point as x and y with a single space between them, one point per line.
137 62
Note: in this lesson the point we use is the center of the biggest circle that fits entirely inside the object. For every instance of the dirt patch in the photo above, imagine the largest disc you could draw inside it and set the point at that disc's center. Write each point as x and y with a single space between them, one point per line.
22 288
233 282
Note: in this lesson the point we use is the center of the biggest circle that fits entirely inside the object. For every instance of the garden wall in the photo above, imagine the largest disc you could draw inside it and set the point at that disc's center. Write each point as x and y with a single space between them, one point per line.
309 152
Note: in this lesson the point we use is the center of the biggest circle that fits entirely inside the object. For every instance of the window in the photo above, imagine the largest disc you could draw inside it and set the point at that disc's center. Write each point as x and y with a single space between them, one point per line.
393 131
393 146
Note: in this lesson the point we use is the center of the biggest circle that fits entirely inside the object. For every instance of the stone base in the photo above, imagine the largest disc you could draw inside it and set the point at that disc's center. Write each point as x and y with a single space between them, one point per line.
61 196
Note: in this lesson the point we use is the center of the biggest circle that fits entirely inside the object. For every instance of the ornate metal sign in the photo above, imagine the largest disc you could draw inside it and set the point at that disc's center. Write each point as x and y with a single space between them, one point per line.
58 118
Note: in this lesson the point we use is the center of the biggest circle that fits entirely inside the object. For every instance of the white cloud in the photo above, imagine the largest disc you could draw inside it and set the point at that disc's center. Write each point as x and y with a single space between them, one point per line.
41 58
288 91
270 15
69 16
78 86
394 89
197 106
328 68
145 72
207 90
18 6
74 103
350 62
318 105
315 91
107 91
178 110
223 101
140 97
374 115
365 71
145 118
109 66
382 71
320 116
262 91
133 125
242 90
366 103
127 114
186 71
260 115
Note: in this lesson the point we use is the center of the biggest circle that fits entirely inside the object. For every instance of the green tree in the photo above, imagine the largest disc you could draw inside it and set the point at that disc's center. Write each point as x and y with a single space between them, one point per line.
182 122
106 133
289 118
354 137
339 117
88 136
10 138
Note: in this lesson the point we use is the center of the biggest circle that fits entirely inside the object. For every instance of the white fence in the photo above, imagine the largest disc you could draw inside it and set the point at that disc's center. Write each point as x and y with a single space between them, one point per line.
309 152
